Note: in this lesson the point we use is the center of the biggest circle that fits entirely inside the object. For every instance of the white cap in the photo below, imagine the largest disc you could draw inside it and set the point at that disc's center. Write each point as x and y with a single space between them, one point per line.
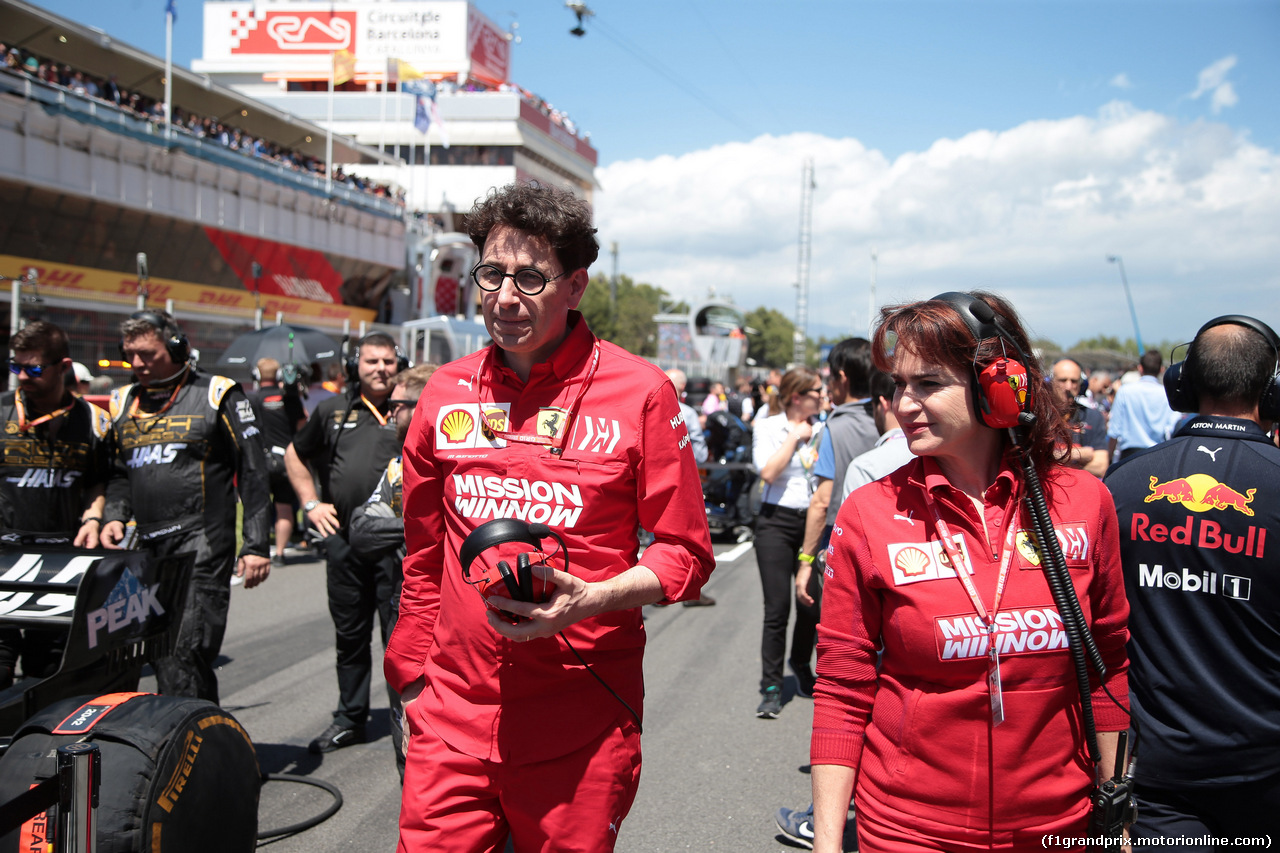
82 372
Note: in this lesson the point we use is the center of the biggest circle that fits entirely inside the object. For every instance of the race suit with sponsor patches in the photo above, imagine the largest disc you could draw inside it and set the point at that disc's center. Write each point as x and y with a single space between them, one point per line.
46 472
626 464
176 471
920 732
1200 538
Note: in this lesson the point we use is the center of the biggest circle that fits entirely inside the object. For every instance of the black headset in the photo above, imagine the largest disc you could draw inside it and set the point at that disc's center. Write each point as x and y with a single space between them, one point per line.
1184 398
352 364
518 583
174 340
1001 390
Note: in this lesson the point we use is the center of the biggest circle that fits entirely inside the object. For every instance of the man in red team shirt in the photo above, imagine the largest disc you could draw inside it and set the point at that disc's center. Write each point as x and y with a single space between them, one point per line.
509 734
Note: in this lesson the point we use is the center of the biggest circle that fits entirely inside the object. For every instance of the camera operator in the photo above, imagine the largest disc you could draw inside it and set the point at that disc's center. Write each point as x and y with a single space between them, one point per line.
52 472
1204 595
510 735
184 443
278 404
348 441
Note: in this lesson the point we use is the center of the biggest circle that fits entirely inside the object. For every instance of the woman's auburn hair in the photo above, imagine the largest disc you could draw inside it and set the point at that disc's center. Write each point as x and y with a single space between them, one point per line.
935 331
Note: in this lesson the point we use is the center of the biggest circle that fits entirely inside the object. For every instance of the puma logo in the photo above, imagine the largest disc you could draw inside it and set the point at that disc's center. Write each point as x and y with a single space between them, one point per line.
1213 454
467 382
906 518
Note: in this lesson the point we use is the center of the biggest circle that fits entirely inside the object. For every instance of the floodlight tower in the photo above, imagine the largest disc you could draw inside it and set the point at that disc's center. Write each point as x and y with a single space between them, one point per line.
807 186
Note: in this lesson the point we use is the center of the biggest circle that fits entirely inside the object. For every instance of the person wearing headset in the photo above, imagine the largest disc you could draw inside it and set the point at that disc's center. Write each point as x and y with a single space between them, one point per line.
348 441
945 703
510 735
184 443
1196 514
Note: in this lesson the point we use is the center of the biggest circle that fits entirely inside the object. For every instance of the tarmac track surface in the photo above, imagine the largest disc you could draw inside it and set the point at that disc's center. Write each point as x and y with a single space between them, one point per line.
713 776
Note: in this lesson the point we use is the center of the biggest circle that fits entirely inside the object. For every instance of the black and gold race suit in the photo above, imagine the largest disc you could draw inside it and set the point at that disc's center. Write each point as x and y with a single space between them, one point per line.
47 471
179 454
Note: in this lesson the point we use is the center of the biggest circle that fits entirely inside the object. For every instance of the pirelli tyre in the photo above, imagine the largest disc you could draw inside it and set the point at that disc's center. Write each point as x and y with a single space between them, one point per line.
178 775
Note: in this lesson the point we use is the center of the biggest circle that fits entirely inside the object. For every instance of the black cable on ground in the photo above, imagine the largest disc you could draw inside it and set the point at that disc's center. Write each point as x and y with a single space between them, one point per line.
294 828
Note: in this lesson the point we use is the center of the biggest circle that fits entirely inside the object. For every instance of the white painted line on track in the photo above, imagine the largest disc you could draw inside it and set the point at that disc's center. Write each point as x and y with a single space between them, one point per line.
733 554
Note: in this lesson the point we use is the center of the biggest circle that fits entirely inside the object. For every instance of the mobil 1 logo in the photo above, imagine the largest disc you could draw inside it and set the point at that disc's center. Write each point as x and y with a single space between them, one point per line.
1205 583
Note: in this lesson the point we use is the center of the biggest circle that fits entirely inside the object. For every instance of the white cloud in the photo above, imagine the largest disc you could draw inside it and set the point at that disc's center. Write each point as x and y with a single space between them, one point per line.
1214 80
1121 81
1031 211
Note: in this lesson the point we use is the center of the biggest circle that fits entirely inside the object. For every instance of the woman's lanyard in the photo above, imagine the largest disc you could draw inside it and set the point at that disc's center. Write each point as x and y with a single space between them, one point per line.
987 616
25 425
559 435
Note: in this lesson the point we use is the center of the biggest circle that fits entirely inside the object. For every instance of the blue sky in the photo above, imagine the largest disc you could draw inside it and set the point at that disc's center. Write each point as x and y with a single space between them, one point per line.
1007 145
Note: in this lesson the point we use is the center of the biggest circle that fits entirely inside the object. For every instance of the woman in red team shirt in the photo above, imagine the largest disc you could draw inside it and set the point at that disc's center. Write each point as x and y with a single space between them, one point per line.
942 745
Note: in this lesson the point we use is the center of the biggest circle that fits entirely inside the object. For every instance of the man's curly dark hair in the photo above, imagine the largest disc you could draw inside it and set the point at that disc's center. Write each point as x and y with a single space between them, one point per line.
556 215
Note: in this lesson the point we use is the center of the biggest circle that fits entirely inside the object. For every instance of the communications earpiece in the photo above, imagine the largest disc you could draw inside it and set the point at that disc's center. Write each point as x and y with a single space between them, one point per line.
352 363
174 340
1001 390
499 579
1184 398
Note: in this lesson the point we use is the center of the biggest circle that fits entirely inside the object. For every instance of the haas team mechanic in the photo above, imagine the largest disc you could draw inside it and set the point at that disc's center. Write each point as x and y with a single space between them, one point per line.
184 442
509 734
1199 536
52 472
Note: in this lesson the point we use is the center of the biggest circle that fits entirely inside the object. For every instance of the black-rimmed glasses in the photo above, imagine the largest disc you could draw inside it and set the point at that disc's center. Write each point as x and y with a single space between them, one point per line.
33 370
529 281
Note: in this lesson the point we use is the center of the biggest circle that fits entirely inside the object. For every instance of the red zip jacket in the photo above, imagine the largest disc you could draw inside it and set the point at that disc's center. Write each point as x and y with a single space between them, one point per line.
920 734
626 464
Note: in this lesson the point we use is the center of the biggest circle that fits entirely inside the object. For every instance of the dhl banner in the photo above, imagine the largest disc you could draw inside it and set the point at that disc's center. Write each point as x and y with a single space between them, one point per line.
85 282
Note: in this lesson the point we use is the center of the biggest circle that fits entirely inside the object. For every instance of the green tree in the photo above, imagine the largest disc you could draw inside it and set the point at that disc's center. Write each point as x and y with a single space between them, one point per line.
630 323
774 346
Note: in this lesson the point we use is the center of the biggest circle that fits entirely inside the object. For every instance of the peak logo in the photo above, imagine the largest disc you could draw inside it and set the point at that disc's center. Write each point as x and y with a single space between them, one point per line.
1026 630
258 31
925 561
129 602
1201 493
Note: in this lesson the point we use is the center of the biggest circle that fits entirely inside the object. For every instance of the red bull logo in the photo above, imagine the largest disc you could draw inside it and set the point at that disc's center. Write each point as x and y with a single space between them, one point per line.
1200 493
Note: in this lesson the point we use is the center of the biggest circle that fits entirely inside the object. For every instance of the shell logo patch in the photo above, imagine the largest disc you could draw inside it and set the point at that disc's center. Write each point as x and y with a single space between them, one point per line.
457 425
464 426
925 561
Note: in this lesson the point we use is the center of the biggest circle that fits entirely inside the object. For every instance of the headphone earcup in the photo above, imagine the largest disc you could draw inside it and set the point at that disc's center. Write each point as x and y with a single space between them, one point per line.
1181 396
1003 393
510 579
524 574
1269 402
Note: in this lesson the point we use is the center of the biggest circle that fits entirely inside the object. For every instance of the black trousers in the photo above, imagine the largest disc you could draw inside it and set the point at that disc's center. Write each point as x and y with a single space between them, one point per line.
779 535
357 591
189 670
1243 809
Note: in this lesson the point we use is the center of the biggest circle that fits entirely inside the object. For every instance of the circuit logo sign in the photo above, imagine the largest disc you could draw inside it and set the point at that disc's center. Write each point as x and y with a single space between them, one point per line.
1201 493
257 31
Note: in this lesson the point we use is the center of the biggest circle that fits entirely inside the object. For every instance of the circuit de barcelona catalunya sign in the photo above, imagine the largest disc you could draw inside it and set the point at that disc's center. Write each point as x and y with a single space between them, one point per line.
439 37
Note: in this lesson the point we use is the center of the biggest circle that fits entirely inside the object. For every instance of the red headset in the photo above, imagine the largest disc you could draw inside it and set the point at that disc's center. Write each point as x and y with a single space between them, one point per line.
1001 390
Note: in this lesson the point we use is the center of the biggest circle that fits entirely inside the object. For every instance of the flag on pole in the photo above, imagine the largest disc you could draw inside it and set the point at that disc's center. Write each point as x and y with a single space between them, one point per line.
171 9
398 70
422 115
344 66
